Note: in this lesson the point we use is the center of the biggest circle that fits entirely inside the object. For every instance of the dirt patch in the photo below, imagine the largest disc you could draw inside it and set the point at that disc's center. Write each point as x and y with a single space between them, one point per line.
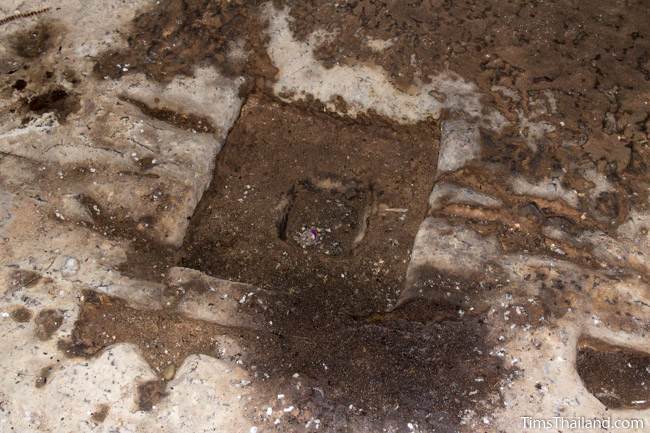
332 236
47 322
43 376
100 414
21 315
33 42
421 363
344 175
617 376
187 121
164 337
178 35
149 394
328 215
34 79
581 70
56 100
146 258
22 279
580 51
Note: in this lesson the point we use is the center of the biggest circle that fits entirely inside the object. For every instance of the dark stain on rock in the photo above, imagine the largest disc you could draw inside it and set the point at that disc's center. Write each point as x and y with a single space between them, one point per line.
19 84
33 42
420 362
617 376
43 376
147 258
21 314
187 121
149 394
44 85
56 100
100 413
146 163
20 279
47 322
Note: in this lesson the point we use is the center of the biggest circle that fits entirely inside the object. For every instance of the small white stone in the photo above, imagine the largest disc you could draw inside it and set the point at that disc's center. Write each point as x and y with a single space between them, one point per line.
70 267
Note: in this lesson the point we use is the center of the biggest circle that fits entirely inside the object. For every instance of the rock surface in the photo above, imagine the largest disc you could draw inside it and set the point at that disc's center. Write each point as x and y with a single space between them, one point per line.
313 216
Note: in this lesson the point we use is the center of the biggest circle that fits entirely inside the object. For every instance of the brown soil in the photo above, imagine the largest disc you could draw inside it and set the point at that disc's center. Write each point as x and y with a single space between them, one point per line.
177 35
21 315
47 322
344 176
43 376
146 258
617 376
545 40
56 100
22 279
31 69
149 394
186 121
35 40
164 337
333 236
100 414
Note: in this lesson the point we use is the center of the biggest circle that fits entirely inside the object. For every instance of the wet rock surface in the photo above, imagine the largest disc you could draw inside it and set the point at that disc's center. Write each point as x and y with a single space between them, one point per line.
358 216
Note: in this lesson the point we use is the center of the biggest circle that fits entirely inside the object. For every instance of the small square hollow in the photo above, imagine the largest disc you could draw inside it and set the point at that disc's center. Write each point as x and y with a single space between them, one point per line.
328 216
